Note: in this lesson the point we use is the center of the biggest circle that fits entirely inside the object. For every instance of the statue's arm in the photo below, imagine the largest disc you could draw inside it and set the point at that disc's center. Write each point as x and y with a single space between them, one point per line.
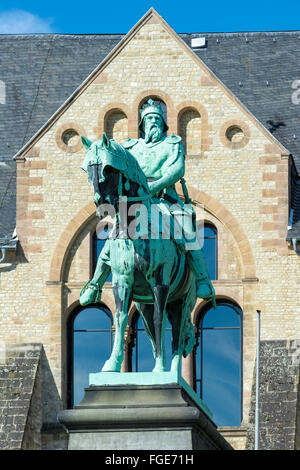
172 170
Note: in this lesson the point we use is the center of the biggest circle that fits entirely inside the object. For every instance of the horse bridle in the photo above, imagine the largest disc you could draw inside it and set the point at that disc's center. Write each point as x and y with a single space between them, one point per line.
131 198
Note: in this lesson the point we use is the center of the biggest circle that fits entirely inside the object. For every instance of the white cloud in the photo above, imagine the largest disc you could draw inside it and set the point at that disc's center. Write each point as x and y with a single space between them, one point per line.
22 22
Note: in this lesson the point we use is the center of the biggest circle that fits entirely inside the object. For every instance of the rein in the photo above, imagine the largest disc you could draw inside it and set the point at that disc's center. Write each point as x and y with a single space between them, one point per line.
131 198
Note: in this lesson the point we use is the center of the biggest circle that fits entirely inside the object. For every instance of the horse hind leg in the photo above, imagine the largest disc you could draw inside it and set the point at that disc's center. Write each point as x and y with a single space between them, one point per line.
174 311
123 296
146 312
160 294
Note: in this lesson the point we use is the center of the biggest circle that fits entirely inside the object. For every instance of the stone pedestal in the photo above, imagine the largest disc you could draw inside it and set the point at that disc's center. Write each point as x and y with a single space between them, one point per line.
129 416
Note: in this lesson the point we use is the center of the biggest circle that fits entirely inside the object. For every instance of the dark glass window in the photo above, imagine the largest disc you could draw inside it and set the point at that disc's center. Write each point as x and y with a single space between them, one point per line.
90 336
98 243
209 236
218 362
141 354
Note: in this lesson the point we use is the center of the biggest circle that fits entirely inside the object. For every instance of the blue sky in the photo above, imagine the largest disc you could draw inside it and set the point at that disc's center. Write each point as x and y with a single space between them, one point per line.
96 16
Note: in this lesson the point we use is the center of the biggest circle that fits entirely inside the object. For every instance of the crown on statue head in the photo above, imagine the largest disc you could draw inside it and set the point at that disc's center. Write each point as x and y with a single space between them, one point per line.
152 108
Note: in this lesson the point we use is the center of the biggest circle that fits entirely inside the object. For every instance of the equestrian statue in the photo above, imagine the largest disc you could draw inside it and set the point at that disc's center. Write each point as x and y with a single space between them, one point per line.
162 274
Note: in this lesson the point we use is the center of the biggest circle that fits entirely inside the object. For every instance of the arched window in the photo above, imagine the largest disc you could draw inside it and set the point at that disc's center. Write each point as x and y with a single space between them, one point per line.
99 239
157 101
218 362
140 353
190 131
116 125
90 337
209 237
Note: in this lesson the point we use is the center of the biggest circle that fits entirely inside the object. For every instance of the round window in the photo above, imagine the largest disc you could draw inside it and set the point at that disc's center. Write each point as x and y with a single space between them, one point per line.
70 138
234 134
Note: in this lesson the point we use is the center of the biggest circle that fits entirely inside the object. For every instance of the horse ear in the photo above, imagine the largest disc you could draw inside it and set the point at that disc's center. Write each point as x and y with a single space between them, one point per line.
105 140
86 142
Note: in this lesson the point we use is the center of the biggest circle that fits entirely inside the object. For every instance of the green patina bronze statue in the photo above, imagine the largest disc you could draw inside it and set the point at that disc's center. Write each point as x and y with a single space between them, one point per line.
162 274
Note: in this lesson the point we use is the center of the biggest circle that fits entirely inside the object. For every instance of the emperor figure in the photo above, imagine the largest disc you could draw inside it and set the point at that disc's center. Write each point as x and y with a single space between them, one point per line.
162 160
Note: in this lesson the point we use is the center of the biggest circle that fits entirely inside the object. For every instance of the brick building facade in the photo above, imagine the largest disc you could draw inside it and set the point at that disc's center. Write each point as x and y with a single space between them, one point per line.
238 168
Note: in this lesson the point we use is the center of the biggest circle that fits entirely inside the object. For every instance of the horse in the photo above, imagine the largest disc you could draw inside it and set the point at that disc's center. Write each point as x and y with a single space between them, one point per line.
151 272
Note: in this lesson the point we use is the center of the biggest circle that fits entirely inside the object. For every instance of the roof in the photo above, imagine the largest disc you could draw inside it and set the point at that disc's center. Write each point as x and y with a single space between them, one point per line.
259 69
41 71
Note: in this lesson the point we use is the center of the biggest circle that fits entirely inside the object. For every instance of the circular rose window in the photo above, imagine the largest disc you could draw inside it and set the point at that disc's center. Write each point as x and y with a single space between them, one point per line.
68 137
71 137
234 134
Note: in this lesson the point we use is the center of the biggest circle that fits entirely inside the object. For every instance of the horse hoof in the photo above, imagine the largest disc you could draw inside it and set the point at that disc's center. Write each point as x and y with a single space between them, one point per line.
159 369
88 297
175 367
111 366
90 294
203 291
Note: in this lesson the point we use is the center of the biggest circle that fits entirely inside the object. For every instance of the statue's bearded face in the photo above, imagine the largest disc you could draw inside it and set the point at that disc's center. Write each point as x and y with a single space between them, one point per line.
153 127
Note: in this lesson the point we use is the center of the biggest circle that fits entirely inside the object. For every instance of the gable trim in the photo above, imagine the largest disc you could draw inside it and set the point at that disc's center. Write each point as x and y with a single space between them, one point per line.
154 17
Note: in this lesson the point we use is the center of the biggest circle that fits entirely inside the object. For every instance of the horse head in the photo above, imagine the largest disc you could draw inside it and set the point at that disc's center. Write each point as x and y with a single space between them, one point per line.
113 170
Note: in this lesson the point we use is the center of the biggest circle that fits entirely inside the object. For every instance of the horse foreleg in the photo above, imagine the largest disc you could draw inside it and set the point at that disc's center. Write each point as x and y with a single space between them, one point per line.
160 294
123 296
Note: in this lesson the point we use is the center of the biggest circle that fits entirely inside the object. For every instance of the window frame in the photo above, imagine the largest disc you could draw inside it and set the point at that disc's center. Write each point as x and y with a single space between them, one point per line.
179 120
199 336
70 344
109 114
211 225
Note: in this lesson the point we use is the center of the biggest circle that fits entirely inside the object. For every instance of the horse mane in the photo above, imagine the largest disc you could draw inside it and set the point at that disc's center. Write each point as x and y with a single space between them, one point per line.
110 153
132 171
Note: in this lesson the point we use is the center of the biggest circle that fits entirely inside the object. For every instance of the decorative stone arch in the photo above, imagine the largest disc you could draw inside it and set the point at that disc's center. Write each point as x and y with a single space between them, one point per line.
229 296
172 114
85 215
71 129
186 105
67 239
221 213
239 126
111 108
205 127
106 300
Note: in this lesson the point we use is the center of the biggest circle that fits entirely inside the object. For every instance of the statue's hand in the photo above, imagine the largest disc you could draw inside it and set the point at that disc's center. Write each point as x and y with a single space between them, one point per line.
97 198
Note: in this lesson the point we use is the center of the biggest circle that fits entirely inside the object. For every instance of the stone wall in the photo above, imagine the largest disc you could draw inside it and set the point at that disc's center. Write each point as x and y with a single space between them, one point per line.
28 401
190 131
19 424
242 183
279 397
